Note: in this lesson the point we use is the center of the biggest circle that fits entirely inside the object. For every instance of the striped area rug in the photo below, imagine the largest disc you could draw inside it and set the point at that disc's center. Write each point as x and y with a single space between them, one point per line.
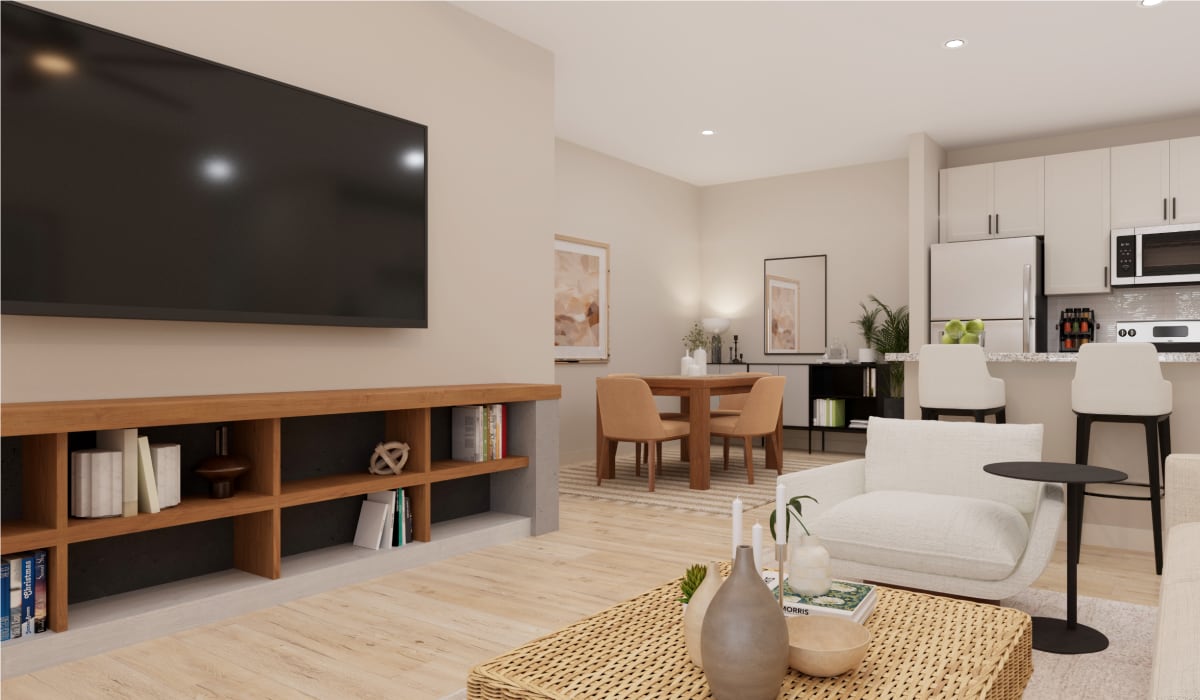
671 487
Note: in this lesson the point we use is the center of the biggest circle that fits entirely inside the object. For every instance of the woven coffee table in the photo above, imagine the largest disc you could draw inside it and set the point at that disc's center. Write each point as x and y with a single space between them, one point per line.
922 646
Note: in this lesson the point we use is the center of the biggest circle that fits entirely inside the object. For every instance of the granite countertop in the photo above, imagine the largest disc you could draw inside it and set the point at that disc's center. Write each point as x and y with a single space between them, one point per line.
1163 357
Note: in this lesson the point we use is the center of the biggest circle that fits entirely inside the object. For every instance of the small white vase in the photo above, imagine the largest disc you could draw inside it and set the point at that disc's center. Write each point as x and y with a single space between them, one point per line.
808 566
685 365
867 355
695 609
700 360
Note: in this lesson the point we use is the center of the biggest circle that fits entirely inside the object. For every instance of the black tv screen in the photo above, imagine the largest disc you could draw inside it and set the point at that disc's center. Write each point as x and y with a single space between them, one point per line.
140 182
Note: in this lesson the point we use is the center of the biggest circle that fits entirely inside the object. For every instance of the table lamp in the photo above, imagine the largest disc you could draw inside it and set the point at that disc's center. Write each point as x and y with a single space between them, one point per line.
715 326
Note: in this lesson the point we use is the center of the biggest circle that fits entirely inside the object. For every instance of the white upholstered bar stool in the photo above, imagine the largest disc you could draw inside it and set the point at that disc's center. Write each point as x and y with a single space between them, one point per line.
954 381
1123 383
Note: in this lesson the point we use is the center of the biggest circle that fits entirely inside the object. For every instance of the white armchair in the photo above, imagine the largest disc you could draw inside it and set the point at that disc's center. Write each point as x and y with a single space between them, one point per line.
919 511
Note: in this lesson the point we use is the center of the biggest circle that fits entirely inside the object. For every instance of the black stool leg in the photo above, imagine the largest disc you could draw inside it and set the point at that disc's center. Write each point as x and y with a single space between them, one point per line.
928 414
1164 445
1000 417
1083 436
980 417
1153 463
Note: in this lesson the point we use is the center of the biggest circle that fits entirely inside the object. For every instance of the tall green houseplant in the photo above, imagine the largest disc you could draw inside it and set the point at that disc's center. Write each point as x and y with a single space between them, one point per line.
885 330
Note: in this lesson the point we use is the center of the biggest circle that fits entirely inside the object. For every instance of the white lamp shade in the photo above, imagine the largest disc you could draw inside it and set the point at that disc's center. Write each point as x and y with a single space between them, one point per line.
716 326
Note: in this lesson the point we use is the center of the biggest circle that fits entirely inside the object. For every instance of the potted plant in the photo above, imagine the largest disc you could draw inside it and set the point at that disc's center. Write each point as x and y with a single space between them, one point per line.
696 342
888 334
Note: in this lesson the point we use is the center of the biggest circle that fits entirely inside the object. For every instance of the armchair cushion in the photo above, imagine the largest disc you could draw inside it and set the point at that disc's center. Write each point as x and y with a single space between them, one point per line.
944 457
948 535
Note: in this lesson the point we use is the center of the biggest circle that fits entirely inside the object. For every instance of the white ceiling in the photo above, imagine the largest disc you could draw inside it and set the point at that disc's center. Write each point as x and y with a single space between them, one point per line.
799 86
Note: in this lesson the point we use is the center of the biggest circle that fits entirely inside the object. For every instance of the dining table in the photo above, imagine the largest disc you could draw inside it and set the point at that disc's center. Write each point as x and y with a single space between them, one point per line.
695 394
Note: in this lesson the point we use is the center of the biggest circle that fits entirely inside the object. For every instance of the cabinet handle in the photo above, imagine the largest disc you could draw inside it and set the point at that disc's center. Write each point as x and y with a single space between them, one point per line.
1106 276
1174 215
997 224
1164 208
989 224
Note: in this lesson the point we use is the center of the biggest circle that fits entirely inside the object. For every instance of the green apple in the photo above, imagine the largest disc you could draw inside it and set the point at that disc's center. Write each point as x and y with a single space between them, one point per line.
947 340
974 325
954 328
969 338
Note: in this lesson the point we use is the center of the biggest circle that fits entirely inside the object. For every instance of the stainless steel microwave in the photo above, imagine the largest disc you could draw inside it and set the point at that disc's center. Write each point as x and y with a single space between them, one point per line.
1155 255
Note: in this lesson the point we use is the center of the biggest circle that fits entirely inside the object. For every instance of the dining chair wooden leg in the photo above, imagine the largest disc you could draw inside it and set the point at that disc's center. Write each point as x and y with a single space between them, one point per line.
749 460
725 461
658 451
769 442
651 462
637 464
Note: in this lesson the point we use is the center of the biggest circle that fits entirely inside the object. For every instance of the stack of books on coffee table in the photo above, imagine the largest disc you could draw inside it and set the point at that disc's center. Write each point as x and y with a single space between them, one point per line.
848 599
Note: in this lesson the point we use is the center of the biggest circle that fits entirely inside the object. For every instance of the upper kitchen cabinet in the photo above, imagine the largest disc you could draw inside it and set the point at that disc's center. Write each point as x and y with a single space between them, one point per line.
992 200
1156 183
1077 222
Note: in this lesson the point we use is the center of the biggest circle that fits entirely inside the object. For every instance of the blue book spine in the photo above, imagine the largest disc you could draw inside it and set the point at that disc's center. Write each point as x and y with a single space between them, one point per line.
5 628
27 601
41 602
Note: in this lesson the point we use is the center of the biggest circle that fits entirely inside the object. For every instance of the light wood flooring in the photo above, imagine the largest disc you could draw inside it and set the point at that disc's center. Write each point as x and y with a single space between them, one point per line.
416 634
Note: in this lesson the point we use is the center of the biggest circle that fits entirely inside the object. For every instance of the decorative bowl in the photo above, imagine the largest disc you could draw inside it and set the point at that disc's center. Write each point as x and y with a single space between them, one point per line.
821 645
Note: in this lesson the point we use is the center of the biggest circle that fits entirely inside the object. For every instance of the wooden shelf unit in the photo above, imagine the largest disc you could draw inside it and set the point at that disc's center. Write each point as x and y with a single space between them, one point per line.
254 432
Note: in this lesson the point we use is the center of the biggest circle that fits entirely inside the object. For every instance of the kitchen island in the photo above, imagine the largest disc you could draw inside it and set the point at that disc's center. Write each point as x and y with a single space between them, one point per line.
1038 390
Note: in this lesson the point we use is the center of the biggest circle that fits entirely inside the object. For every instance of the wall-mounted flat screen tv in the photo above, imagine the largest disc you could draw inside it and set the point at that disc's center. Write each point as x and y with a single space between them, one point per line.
140 182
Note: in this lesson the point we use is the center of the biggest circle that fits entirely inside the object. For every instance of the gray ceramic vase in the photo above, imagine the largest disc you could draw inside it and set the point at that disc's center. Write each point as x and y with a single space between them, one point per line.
744 640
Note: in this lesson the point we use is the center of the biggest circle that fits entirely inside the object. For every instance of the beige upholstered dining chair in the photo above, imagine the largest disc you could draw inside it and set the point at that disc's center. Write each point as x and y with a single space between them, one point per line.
628 413
639 448
731 405
759 418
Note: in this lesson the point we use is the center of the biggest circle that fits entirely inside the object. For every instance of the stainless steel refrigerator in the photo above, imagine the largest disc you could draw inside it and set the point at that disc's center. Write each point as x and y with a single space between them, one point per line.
998 280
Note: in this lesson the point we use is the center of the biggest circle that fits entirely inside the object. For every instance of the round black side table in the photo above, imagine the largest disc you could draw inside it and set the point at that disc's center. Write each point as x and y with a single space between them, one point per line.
1051 634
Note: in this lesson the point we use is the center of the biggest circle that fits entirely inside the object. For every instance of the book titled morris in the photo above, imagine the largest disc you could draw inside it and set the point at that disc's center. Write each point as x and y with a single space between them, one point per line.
847 599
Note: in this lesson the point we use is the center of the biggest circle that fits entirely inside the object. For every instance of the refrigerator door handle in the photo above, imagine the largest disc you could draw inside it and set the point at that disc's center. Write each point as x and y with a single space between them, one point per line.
1026 292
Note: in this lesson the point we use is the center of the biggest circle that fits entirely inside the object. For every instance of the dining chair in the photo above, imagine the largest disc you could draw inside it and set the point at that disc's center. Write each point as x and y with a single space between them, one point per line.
759 418
628 413
639 448
732 405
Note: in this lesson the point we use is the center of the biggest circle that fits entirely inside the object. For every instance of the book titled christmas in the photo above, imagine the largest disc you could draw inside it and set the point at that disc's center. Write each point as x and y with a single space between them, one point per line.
847 599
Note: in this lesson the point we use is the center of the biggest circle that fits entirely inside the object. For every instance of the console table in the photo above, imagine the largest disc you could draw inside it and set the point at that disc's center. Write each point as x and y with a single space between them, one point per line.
1050 634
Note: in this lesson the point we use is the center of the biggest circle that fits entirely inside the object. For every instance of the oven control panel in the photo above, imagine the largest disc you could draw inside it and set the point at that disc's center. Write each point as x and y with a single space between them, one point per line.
1166 335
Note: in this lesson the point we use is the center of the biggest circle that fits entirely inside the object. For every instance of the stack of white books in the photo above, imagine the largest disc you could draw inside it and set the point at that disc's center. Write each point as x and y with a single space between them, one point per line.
97 483
848 599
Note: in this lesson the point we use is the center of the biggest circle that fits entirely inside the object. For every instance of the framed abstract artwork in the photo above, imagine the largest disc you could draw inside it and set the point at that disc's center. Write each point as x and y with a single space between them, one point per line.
794 305
581 276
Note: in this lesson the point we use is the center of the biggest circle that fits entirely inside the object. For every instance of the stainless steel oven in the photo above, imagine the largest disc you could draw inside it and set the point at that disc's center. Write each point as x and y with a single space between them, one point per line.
1155 255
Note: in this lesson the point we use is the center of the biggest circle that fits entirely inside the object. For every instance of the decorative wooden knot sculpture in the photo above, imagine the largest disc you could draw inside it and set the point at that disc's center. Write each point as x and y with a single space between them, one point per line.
389 457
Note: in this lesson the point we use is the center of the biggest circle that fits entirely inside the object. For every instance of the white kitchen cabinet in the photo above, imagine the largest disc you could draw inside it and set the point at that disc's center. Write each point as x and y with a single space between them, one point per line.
1077 222
1155 184
992 200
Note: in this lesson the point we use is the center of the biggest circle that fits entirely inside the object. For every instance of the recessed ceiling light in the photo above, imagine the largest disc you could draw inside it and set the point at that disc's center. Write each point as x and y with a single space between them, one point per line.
1150 3
955 43
707 132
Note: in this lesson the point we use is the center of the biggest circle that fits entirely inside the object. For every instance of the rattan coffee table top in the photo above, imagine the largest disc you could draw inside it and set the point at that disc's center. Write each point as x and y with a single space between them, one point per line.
922 646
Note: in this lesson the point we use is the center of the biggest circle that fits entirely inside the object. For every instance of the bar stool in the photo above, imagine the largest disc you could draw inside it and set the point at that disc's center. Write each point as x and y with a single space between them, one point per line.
954 381
1123 383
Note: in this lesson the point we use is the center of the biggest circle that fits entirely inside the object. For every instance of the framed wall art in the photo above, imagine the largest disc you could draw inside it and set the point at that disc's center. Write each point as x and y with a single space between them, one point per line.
794 305
581 276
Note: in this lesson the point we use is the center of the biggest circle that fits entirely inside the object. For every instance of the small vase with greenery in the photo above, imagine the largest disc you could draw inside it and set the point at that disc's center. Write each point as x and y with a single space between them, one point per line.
886 335
695 339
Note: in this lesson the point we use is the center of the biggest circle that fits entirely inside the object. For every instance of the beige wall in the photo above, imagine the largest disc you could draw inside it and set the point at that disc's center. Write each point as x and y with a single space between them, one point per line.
857 216
488 99
1076 141
651 224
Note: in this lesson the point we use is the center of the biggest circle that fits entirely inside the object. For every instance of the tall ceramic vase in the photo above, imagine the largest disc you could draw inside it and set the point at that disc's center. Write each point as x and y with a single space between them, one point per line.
744 640
697 607
808 566
700 359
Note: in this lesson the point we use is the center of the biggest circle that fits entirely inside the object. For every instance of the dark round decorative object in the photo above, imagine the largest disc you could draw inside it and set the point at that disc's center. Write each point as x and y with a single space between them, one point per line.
221 471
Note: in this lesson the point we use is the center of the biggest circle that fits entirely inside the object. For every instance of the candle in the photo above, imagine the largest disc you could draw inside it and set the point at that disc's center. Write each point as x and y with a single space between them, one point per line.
756 540
737 524
780 516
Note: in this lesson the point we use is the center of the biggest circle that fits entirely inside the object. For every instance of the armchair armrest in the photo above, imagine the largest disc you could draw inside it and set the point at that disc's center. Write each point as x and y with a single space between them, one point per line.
1182 501
830 484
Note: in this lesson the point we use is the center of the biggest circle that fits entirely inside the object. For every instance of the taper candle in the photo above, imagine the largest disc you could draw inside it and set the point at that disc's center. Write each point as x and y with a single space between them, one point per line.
756 541
737 525
780 516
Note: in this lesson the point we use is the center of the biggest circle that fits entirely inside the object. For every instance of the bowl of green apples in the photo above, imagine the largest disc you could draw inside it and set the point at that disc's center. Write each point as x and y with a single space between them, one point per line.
963 333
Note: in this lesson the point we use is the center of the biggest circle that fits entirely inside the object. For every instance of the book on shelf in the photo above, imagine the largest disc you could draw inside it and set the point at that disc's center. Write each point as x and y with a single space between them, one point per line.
371 518
165 457
5 612
124 441
14 595
27 597
40 601
95 483
466 433
848 599
388 499
829 413
858 423
147 484
408 517
398 534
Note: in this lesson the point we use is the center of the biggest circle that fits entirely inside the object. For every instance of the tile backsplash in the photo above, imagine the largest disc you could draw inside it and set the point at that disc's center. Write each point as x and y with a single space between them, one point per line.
1130 304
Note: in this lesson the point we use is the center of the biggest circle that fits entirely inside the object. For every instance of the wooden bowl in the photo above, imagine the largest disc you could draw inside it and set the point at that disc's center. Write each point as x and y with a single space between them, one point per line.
822 645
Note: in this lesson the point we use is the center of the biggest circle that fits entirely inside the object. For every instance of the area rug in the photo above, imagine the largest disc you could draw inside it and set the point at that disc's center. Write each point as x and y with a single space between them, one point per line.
671 489
1119 672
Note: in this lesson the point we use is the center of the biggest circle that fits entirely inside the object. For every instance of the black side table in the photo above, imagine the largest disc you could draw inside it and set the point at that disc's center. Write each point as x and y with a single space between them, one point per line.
1050 634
